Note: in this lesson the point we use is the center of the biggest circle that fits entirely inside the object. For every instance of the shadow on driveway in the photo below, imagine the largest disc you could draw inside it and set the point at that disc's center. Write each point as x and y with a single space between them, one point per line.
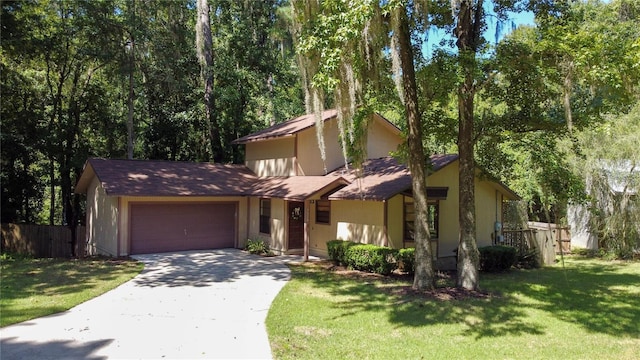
202 268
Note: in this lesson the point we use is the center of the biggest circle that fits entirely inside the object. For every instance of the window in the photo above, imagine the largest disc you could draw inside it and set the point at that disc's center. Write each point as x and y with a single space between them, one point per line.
323 211
410 217
265 216
323 206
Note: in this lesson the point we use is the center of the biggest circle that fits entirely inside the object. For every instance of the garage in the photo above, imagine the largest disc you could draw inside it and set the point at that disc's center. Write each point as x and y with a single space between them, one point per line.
167 227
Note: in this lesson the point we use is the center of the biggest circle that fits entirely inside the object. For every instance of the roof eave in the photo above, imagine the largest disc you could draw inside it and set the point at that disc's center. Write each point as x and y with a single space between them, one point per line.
83 182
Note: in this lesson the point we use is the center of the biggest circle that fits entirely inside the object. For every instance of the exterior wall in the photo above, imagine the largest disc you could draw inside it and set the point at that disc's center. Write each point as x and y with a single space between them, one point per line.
381 141
449 228
395 221
353 220
578 217
272 157
308 152
488 210
278 226
102 221
124 218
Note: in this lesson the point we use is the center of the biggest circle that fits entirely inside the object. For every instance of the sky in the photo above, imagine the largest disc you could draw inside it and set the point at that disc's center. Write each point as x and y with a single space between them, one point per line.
515 20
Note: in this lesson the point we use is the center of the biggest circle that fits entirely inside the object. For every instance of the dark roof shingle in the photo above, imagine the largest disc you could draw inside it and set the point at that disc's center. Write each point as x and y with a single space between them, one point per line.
287 128
170 178
383 178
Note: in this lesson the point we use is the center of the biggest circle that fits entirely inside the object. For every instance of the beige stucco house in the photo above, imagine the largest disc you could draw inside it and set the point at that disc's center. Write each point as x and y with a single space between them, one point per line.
284 194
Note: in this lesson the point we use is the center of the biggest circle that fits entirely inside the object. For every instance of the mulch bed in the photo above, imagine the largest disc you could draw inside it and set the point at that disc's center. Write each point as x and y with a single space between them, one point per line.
396 283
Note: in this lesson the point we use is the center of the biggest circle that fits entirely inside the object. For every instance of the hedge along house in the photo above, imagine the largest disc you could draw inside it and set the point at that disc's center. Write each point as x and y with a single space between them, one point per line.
282 194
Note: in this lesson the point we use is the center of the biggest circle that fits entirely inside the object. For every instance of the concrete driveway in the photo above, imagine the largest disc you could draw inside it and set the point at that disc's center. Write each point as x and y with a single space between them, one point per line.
200 304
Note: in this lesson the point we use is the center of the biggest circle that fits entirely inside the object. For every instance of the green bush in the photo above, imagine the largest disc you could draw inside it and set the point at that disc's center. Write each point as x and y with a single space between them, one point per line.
497 258
258 247
371 258
407 260
528 260
337 250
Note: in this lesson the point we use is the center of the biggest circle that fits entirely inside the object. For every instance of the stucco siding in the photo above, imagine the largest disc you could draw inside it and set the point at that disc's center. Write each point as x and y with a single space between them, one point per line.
308 151
352 220
488 206
488 211
395 221
102 221
124 222
448 228
272 157
278 225
381 141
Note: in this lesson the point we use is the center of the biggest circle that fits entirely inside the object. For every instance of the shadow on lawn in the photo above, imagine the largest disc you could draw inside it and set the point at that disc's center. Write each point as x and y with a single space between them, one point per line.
22 278
591 296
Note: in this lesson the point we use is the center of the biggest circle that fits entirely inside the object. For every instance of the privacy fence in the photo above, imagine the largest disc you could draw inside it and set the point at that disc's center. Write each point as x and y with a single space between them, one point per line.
40 241
547 239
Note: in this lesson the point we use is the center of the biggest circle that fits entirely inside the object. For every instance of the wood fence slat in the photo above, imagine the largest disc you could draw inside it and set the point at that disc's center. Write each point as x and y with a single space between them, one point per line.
40 241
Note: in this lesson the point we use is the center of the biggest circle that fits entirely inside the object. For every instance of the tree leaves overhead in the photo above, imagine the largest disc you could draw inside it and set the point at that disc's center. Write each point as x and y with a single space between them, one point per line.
66 68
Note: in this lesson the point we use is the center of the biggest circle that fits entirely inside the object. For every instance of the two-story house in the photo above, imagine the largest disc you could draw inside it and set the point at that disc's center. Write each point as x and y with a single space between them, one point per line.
284 194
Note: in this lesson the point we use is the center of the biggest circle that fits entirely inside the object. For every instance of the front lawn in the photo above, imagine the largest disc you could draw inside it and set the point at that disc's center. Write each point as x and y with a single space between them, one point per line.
588 310
30 288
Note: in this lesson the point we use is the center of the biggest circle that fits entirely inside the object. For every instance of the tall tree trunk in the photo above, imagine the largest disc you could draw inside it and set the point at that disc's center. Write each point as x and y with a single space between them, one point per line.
424 278
467 32
130 102
204 48
132 64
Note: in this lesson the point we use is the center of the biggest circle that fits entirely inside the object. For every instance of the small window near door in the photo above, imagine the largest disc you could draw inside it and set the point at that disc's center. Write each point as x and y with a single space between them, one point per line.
323 211
409 219
265 216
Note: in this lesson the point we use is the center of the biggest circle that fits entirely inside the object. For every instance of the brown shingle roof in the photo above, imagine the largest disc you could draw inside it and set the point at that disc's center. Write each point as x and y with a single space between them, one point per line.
167 178
171 178
287 128
383 178
297 188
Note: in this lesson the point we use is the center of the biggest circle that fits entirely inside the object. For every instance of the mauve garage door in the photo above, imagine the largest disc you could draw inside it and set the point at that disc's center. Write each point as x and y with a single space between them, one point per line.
186 226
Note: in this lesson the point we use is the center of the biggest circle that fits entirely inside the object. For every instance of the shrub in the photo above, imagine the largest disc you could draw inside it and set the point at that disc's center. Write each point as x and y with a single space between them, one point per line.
371 258
497 258
407 260
337 250
258 247
528 260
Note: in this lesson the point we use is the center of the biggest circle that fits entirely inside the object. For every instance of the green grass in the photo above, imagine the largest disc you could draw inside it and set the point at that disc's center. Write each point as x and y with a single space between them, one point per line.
31 288
588 310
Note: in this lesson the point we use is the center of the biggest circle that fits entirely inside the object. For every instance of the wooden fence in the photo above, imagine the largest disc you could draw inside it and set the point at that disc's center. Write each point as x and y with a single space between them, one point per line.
41 241
548 240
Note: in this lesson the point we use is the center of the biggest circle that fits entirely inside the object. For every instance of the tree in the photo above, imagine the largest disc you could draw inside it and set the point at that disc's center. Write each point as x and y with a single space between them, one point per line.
204 47
343 48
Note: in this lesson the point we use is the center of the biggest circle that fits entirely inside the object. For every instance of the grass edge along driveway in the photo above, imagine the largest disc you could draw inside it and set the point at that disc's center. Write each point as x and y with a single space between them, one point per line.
590 309
32 288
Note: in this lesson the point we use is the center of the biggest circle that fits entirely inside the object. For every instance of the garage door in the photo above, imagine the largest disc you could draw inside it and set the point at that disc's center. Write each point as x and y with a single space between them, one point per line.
185 226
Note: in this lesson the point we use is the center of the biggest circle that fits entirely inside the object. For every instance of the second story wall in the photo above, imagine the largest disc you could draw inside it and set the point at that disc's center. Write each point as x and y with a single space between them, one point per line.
299 154
309 152
272 157
382 138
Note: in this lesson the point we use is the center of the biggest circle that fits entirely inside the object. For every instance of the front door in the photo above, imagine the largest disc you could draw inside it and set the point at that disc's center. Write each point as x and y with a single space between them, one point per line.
296 225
